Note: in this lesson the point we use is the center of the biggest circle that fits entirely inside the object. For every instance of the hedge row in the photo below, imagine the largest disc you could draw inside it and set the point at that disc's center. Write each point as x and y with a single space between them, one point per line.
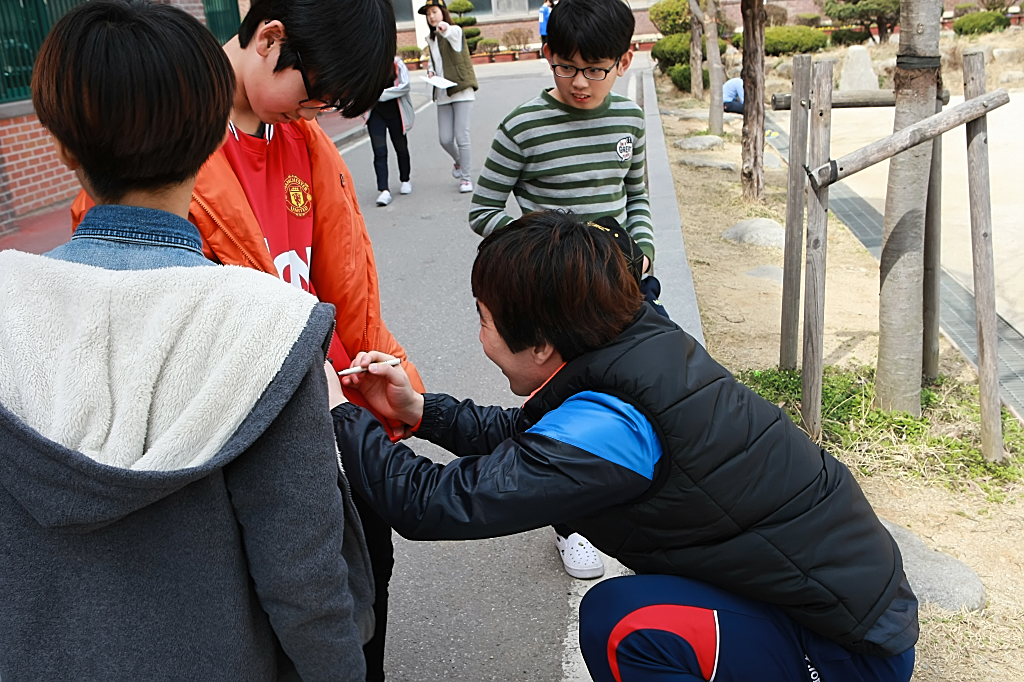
980 22
848 36
680 77
675 49
789 39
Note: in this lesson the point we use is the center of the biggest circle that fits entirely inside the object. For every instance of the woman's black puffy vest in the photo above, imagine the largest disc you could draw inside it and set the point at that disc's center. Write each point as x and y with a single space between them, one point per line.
741 498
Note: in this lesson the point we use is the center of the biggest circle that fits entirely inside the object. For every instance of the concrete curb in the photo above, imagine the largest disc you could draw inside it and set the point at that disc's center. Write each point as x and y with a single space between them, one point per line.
672 268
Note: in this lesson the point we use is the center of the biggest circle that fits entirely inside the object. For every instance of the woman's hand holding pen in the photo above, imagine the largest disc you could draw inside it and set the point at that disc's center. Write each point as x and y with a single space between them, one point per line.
386 388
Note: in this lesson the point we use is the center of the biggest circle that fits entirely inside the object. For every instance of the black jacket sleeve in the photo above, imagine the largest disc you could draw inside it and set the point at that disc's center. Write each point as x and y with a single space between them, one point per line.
527 481
465 428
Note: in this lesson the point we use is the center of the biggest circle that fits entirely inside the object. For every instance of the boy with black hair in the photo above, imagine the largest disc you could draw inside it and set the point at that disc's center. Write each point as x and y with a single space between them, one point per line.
577 146
277 196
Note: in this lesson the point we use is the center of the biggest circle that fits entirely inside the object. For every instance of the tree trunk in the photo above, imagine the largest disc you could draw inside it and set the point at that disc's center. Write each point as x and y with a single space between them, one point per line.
753 99
717 71
696 54
900 314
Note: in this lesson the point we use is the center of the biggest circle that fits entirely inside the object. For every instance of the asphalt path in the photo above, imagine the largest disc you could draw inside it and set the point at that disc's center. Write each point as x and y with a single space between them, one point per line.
481 610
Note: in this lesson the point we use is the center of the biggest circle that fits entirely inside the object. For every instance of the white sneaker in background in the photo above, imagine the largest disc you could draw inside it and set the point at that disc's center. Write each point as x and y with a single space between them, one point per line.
406 188
579 557
456 172
465 186
384 199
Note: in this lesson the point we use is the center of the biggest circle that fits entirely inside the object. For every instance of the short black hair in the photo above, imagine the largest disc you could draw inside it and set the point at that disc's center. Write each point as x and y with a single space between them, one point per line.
348 47
551 277
139 92
596 29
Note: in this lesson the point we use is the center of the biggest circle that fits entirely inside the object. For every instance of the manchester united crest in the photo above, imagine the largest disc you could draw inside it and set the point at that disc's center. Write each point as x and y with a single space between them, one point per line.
297 196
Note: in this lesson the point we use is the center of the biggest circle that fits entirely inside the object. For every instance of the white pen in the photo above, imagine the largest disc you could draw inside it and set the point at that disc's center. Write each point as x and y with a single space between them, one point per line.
356 370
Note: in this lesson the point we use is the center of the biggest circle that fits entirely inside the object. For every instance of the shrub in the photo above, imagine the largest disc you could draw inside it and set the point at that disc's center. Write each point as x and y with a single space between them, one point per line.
995 5
464 21
848 36
670 16
470 33
471 43
980 22
460 7
776 15
488 45
964 8
812 20
517 39
789 39
675 49
409 52
680 77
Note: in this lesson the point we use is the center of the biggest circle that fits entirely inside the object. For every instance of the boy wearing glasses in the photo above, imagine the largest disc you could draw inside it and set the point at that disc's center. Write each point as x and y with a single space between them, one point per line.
277 196
579 147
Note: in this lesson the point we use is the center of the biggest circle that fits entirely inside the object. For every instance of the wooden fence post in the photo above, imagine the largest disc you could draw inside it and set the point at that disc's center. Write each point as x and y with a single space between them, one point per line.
795 203
984 271
817 237
933 260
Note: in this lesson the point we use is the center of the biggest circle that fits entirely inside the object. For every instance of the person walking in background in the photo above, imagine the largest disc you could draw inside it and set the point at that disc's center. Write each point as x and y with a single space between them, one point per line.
392 115
732 95
171 505
449 59
544 12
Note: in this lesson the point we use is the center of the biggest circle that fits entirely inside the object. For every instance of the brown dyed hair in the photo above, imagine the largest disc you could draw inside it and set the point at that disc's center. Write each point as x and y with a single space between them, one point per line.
140 93
548 277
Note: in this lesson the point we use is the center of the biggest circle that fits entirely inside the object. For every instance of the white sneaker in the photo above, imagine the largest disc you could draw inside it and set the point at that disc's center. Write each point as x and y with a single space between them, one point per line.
456 172
579 557
384 199
465 186
406 188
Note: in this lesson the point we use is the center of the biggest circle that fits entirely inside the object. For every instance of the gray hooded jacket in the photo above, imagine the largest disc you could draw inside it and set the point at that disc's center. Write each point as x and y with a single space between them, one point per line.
171 505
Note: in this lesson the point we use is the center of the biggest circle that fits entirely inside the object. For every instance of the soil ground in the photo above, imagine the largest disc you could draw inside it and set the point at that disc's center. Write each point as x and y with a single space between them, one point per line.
741 317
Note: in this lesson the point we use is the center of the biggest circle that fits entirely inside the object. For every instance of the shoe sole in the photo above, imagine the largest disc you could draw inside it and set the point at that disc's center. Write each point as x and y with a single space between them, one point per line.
584 573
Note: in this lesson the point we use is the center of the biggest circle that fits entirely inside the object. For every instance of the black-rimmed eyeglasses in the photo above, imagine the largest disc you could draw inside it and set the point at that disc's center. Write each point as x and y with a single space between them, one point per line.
311 102
591 73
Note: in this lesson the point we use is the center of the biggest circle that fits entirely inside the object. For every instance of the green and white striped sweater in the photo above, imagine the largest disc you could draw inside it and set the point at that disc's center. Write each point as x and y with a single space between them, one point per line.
551 155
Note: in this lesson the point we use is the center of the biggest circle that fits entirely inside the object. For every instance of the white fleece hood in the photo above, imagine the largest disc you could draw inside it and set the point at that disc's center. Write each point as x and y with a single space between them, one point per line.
149 370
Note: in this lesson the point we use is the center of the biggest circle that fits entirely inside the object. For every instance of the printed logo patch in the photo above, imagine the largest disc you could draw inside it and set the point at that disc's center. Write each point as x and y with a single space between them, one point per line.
624 148
297 196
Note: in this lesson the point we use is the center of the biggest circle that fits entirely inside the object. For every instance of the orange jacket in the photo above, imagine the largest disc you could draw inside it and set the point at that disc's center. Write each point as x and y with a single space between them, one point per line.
342 270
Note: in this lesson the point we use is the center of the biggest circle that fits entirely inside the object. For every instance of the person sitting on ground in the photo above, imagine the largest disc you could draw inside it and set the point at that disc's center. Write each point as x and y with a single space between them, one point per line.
758 555
277 197
171 505
732 95
577 146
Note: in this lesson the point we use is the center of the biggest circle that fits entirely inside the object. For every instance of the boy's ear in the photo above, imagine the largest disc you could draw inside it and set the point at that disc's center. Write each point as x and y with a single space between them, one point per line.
543 353
65 155
547 52
267 34
625 61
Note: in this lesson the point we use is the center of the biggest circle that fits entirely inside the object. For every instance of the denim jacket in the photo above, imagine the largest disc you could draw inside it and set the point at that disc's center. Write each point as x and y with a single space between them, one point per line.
133 238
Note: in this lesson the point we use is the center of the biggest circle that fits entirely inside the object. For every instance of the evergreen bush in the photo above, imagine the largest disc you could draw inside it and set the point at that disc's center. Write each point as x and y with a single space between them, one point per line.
670 16
675 49
489 45
789 39
409 52
980 22
848 36
680 77
464 21
809 19
460 7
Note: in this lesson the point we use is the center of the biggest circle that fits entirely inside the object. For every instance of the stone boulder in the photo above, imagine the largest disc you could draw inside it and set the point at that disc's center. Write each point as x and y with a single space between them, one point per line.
937 577
703 162
758 232
1008 55
858 73
784 70
699 143
1011 77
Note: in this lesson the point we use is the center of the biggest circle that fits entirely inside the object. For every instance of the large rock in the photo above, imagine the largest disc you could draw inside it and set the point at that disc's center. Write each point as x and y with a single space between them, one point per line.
1011 77
937 577
759 232
1008 55
699 143
784 70
702 162
858 73
702 115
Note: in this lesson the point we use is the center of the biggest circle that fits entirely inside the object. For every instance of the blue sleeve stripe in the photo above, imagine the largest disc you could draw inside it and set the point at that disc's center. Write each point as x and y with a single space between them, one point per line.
606 427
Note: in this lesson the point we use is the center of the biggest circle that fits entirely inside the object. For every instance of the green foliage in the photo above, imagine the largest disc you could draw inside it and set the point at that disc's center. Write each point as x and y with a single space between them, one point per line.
464 21
675 49
980 22
470 33
964 8
460 7
884 14
488 45
775 15
670 16
680 77
473 42
944 444
789 39
848 36
808 19
409 52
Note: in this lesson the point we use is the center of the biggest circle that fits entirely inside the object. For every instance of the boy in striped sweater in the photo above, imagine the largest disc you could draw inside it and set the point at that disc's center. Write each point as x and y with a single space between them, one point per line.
578 145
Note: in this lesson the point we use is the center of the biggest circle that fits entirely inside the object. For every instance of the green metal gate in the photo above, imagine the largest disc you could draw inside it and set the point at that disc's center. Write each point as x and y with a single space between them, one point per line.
23 26
221 18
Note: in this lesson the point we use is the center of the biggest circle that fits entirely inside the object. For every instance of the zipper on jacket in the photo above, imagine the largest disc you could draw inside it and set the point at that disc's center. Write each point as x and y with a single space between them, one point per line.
223 229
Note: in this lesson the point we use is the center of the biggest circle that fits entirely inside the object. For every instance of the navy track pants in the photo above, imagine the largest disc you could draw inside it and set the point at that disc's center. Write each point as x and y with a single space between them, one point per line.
663 628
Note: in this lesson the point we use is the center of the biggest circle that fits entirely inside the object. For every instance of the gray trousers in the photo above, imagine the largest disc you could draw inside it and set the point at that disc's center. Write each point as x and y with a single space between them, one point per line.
453 132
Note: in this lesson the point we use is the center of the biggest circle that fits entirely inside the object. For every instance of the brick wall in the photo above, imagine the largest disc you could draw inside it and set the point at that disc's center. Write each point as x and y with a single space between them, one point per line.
32 175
